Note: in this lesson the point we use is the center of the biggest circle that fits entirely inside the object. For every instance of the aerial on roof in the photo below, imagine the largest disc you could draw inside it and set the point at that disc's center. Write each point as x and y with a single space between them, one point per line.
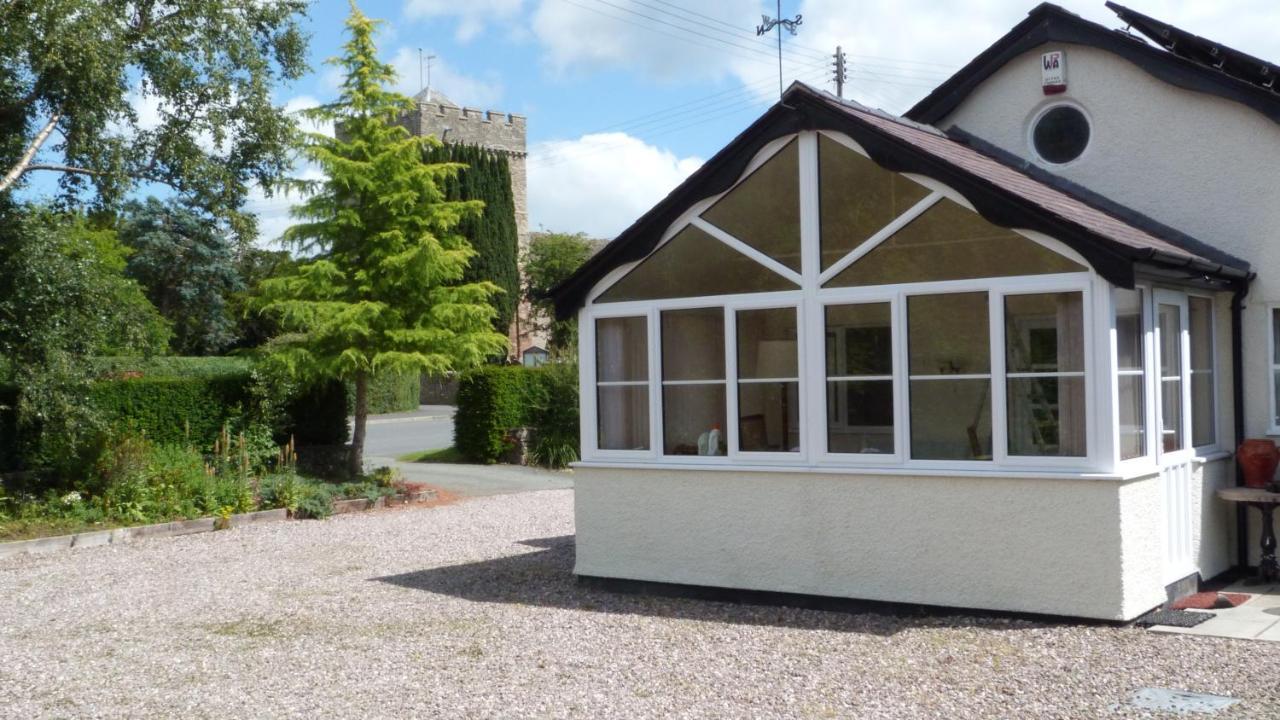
1190 63
1202 50
1005 195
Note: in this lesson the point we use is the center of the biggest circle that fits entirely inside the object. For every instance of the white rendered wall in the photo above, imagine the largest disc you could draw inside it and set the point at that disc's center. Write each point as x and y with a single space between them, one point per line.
1196 162
1086 548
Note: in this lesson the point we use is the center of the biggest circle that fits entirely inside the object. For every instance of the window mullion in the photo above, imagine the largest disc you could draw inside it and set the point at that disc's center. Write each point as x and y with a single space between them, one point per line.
999 408
731 381
656 440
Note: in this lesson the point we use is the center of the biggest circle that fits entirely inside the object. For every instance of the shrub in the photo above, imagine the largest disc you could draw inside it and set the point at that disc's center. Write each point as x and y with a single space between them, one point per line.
390 392
553 415
316 501
318 414
492 400
169 409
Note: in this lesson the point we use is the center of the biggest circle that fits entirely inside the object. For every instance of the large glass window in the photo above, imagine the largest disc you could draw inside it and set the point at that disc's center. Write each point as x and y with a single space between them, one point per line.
768 381
693 382
692 264
1169 329
949 359
1131 377
859 378
1044 371
1200 329
857 198
763 211
622 383
951 242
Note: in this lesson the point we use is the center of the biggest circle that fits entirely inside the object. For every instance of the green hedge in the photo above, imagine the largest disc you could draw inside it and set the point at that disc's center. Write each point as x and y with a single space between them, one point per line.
173 409
318 415
8 428
494 400
390 392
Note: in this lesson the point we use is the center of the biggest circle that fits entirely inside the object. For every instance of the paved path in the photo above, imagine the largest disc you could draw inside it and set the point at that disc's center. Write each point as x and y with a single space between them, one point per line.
431 428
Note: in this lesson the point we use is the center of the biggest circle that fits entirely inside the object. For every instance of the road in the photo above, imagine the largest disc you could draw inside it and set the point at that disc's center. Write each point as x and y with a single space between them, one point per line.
431 428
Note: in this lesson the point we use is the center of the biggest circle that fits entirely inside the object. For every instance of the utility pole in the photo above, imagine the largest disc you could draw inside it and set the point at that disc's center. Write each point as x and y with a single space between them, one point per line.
840 74
779 23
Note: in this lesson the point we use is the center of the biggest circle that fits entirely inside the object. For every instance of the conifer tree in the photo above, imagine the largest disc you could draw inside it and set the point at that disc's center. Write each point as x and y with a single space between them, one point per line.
385 290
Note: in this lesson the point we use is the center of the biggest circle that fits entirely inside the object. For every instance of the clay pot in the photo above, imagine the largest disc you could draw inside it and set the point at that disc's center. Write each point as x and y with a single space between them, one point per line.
1258 459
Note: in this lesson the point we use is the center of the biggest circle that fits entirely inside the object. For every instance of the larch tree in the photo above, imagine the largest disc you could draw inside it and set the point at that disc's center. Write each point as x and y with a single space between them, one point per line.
384 291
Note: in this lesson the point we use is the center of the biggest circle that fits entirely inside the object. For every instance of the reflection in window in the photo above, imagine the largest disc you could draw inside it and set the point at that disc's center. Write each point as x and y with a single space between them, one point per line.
950 381
1200 328
857 198
693 393
693 264
622 383
768 381
859 379
1169 325
763 211
1044 368
950 242
1131 377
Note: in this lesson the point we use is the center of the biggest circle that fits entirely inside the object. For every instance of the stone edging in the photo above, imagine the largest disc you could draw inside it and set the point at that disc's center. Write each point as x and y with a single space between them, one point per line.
127 534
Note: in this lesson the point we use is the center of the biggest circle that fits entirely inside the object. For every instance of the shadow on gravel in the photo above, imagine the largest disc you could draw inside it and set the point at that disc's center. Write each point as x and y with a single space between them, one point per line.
545 579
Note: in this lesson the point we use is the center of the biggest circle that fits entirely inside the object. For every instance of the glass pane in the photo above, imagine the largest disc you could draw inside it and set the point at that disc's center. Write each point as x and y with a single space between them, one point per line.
622 349
1046 416
863 417
949 334
1170 325
693 344
950 242
1275 382
694 264
951 419
763 211
769 417
1129 329
767 344
859 340
623 417
1133 417
1200 329
857 198
1044 332
693 418
1275 336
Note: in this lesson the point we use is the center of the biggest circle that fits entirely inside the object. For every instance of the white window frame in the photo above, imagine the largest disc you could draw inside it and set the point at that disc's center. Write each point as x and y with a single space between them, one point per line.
810 301
1216 445
1273 366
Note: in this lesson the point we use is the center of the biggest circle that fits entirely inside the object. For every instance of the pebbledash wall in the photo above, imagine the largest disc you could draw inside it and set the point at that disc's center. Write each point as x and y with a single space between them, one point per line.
1076 546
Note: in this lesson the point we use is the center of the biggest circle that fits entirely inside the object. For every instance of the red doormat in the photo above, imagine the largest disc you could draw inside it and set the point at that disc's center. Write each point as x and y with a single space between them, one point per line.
1210 600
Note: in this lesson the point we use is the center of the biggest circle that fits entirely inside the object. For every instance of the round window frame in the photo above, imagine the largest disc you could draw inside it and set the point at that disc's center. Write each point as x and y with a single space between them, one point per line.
1045 110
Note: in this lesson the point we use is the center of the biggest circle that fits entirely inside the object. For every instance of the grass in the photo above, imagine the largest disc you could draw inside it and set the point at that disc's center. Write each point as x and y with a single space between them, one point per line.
14 530
439 455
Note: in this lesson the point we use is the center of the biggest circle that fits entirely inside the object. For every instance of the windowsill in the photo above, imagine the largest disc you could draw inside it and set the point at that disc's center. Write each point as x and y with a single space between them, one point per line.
1004 473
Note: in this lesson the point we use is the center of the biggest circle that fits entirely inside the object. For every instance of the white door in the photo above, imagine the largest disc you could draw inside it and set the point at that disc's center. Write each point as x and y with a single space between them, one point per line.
1173 422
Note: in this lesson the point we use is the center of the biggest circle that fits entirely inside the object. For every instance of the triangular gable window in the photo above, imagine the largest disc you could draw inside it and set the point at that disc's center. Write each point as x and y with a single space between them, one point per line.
763 211
951 242
857 198
692 264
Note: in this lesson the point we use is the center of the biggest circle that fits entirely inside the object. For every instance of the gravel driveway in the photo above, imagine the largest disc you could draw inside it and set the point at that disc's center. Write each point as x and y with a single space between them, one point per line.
469 610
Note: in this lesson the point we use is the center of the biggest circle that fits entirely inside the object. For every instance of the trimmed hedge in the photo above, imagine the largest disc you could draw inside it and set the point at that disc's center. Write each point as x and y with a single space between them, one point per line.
493 400
174 409
390 392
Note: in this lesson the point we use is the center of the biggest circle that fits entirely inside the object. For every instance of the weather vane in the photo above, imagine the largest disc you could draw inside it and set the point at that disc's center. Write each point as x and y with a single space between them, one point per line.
779 23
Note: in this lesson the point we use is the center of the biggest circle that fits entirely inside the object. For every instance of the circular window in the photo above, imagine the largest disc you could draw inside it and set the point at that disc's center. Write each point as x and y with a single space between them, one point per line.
1060 134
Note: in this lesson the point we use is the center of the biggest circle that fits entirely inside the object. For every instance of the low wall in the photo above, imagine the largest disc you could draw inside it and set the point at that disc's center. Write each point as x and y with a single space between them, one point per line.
1041 545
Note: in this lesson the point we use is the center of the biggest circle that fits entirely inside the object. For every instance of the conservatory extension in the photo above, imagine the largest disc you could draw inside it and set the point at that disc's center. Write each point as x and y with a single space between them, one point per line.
853 358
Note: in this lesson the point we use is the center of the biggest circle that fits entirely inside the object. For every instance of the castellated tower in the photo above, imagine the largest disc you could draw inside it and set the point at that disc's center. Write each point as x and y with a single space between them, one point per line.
499 132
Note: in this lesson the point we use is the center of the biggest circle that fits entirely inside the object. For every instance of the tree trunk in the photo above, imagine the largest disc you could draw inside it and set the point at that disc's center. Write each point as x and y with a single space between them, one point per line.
29 154
356 458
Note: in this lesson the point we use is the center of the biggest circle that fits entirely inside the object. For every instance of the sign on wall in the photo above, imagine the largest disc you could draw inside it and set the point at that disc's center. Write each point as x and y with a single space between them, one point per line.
1053 72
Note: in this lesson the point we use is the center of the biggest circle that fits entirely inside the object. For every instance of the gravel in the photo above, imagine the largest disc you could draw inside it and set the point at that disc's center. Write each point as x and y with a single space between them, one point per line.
471 610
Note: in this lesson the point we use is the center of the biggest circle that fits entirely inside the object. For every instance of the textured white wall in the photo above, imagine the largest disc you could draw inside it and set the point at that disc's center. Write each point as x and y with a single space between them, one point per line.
1070 547
1204 165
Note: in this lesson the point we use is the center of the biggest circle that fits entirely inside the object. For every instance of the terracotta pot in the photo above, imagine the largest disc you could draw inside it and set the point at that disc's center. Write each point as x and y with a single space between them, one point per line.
1258 459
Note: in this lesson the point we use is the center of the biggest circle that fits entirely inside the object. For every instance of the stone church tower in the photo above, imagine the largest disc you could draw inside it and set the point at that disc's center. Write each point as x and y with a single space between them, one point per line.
499 132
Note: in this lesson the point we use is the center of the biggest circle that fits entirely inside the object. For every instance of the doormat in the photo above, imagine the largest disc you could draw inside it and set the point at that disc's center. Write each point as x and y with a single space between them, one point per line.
1211 600
1175 618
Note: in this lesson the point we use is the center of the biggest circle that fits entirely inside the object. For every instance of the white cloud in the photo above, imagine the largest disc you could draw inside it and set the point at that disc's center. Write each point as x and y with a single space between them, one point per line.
459 87
575 186
472 16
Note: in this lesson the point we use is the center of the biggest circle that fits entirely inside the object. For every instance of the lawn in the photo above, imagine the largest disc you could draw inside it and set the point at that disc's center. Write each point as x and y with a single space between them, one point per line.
439 455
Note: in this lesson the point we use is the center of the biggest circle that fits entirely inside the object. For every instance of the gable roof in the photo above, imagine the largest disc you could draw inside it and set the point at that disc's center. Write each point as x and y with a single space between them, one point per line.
1049 23
1004 195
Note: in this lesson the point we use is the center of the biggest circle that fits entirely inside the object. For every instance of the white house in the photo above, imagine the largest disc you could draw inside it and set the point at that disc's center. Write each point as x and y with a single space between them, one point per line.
993 354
